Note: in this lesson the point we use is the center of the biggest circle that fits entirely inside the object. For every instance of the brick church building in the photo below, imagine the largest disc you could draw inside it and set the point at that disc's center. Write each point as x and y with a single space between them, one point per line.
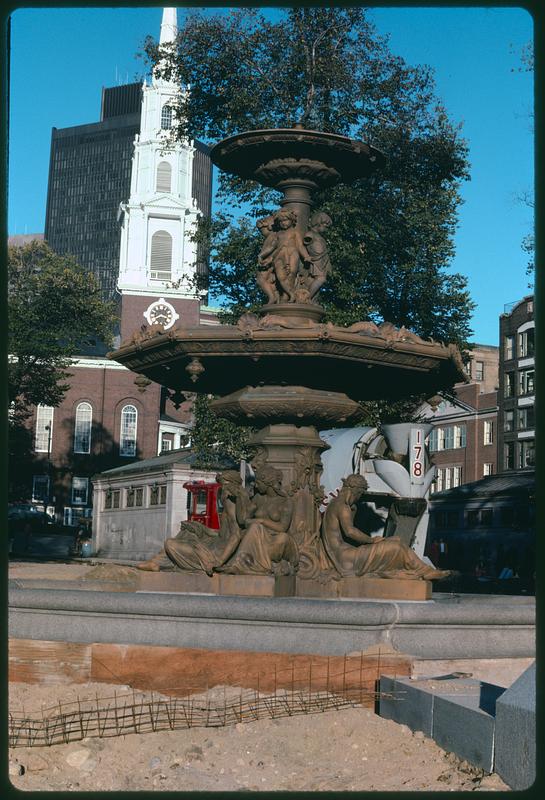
111 416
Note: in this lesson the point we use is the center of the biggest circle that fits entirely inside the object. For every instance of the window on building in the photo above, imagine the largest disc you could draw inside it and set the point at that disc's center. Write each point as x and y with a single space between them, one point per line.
509 384
488 469
526 418
509 455
459 436
161 256
526 343
70 516
158 495
479 370
40 488
130 497
139 496
166 118
449 438
509 421
456 476
509 347
80 491
472 517
526 381
487 517
127 439
108 497
166 442
44 429
526 453
164 177
488 437
82 428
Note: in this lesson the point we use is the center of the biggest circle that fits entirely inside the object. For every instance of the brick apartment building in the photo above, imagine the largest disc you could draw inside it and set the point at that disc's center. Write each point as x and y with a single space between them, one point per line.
464 439
516 418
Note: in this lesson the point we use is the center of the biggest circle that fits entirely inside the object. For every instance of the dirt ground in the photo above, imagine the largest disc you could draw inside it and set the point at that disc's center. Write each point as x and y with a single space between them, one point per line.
351 749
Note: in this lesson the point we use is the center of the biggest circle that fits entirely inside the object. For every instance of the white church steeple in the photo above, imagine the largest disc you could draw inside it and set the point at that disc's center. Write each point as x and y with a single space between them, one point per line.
157 256
169 26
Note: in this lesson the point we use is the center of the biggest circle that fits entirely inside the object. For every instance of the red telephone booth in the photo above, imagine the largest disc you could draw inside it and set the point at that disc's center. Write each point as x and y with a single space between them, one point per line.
203 503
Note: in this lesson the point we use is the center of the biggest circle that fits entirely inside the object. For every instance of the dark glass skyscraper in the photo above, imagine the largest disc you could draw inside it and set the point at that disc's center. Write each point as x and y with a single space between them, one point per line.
90 174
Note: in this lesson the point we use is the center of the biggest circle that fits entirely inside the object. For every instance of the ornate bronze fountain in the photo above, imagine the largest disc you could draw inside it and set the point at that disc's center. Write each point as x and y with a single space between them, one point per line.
287 373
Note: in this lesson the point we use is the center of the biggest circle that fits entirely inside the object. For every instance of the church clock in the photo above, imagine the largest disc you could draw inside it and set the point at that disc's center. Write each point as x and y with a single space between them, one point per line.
162 313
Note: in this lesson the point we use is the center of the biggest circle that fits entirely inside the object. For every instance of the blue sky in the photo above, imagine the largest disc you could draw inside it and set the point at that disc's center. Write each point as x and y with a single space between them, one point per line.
61 59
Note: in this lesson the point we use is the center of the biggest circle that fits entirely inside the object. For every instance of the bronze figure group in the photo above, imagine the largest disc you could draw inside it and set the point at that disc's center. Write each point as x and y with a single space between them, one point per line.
292 267
256 536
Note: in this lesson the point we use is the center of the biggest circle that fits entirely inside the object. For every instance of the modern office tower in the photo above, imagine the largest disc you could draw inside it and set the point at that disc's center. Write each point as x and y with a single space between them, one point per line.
516 419
89 174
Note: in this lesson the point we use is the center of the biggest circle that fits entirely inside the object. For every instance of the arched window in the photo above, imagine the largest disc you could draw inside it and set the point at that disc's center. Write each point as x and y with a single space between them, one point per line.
82 428
127 438
161 256
164 176
166 118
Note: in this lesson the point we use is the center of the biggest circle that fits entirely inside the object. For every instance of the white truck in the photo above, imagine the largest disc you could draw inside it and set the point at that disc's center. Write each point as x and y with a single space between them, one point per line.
395 463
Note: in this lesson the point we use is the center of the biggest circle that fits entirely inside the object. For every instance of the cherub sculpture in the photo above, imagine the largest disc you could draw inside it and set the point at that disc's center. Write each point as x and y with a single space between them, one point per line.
320 265
266 278
283 251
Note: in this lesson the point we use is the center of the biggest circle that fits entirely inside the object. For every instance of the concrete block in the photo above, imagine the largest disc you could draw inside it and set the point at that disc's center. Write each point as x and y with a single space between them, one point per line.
464 723
407 705
515 756
458 713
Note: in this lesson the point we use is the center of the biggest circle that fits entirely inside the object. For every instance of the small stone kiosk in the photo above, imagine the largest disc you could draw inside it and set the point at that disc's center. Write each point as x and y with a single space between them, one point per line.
288 373
138 505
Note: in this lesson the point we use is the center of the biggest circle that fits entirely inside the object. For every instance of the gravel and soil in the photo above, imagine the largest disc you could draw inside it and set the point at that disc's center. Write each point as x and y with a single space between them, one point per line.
351 749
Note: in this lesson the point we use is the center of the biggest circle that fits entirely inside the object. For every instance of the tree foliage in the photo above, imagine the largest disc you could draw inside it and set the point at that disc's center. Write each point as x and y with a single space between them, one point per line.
54 308
214 438
391 241
329 69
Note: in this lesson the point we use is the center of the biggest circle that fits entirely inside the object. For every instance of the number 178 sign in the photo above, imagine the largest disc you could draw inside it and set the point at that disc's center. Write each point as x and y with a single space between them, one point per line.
416 455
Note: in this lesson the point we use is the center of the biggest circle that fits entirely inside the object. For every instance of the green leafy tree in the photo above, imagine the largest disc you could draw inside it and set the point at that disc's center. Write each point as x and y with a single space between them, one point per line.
214 438
329 69
54 308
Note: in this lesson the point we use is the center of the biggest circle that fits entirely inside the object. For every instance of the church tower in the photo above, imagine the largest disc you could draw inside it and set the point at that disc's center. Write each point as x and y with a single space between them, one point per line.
157 256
